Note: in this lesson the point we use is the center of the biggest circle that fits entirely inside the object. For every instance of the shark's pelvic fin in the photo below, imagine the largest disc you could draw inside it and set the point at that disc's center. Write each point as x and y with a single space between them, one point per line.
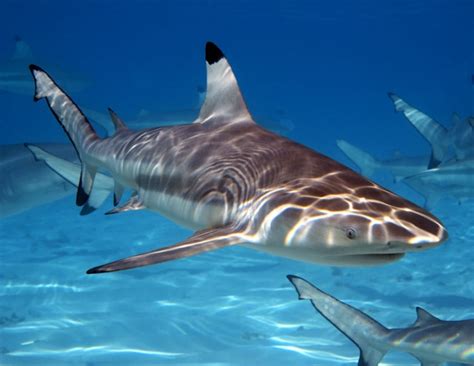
119 124
75 124
22 50
202 241
118 192
71 172
133 204
435 133
224 101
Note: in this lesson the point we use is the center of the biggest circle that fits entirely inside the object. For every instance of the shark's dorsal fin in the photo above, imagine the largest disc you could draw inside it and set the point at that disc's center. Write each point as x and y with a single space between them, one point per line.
224 101
22 50
119 124
424 318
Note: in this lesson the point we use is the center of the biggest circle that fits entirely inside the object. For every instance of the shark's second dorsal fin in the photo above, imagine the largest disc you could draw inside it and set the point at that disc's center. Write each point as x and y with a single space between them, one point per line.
119 124
424 318
224 101
22 50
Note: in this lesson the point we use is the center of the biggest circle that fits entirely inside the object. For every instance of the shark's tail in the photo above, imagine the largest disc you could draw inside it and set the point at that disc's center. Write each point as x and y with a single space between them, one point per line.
365 332
435 133
366 162
75 124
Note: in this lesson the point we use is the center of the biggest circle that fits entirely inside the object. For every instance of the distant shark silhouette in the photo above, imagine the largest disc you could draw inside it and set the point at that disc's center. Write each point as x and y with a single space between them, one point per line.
14 76
460 137
400 166
454 179
237 183
431 340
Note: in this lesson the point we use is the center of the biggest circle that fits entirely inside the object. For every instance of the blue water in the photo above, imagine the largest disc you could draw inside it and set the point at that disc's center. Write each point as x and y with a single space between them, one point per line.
329 67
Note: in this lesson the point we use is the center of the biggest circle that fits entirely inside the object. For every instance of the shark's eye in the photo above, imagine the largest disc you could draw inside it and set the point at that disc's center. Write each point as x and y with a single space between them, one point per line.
351 233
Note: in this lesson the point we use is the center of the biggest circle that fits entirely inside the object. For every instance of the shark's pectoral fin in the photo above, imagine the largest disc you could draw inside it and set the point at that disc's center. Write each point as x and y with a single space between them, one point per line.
118 192
201 241
133 204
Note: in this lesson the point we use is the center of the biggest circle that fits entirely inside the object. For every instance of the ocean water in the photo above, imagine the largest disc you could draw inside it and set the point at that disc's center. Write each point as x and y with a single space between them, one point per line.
327 67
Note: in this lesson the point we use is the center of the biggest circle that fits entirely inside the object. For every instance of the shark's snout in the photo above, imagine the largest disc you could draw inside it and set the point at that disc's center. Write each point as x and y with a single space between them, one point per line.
414 229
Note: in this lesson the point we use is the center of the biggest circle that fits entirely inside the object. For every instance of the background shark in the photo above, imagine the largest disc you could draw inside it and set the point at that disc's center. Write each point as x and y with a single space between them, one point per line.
454 179
399 167
237 183
15 78
28 180
431 340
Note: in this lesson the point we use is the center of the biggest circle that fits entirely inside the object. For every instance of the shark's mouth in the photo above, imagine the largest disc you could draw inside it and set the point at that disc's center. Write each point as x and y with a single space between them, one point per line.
367 259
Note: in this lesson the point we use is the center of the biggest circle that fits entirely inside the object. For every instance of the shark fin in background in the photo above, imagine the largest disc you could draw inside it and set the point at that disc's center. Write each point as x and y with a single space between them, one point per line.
424 318
119 124
434 132
71 172
224 100
362 330
22 50
202 241
366 163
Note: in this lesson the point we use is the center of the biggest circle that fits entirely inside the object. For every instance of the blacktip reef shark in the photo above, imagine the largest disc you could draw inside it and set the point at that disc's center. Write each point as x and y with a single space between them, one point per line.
237 183
459 138
431 340
14 76
51 173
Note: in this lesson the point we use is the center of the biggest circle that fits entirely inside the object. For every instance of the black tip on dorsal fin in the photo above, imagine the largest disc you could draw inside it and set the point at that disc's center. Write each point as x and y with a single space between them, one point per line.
213 53
17 38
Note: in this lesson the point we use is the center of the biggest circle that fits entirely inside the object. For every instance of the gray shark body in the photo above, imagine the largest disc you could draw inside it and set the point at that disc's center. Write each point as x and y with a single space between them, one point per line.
14 76
26 183
452 179
237 183
456 142
399 167
431 340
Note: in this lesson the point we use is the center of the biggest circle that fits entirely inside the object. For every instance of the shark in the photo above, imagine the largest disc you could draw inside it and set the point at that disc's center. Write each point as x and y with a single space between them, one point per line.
15 78
454 179
399 166
236 183
455 142
26 182
431 340
50 174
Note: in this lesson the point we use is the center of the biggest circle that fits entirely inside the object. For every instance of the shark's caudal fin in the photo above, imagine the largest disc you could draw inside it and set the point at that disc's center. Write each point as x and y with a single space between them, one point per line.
75 124
201 241
366 162
71 172
364 331
435 133
224 101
